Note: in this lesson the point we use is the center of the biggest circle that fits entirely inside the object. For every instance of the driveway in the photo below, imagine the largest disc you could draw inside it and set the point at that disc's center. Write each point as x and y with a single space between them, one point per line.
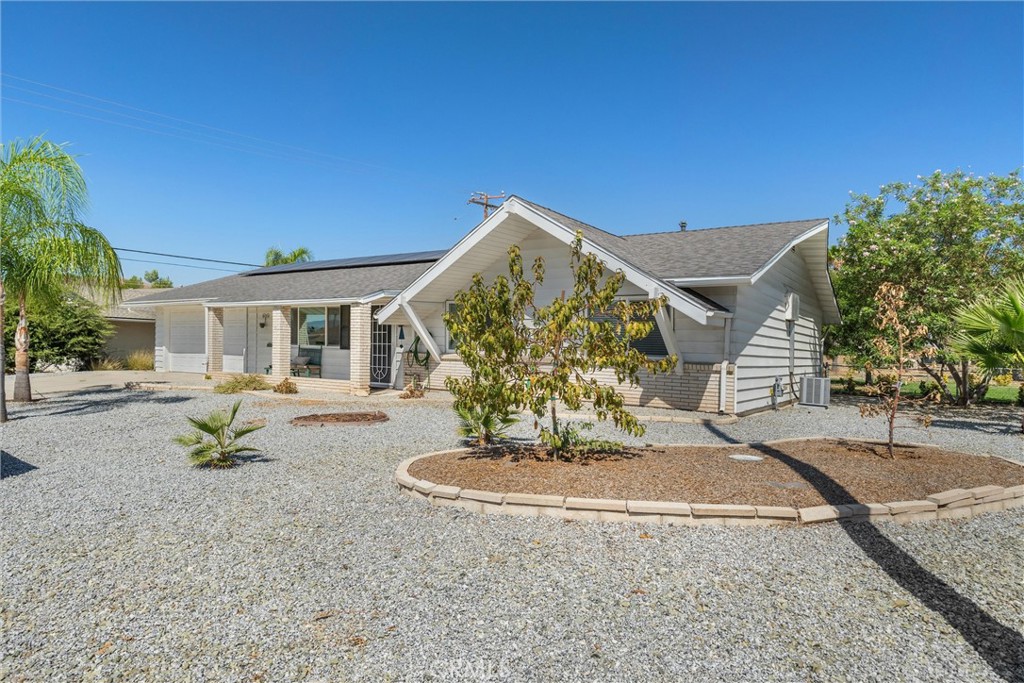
48 384
123 562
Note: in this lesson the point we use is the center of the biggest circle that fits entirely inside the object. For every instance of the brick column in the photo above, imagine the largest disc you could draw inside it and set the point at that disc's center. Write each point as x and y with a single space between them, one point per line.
214 339
359 350
281 353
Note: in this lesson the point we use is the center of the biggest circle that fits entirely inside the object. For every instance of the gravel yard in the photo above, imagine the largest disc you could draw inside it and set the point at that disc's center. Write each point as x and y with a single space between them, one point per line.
121 562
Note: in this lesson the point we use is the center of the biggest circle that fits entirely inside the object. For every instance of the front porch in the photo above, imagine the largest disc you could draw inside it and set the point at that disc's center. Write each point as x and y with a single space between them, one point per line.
331 347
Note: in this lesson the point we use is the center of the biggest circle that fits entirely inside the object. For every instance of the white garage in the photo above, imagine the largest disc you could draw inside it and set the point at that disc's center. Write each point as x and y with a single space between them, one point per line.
185 344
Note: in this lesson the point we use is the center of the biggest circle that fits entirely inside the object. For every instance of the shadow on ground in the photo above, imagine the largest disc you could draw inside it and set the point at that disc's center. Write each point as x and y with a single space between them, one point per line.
89 402
11 466
1000 646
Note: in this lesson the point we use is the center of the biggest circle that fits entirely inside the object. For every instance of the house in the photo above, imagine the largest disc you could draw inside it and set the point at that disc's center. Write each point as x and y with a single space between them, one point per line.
746 306
134 328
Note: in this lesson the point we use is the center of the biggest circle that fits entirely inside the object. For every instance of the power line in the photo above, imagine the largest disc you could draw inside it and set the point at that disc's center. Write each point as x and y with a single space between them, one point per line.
182 265
326 160
190 258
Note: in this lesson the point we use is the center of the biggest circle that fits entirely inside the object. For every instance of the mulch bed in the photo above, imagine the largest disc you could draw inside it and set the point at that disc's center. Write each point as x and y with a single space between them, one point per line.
796 474
340 419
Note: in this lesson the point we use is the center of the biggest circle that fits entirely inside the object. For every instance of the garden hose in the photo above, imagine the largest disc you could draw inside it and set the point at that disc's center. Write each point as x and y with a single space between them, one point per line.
423 362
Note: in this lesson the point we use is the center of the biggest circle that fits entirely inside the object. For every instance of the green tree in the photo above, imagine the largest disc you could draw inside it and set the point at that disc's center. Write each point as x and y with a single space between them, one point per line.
155 281
276 257
68 331
944 239
992 329
525 356
134 282
46 247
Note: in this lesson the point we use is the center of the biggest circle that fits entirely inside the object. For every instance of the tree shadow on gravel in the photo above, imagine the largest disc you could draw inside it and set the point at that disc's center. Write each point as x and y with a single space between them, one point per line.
1000 646
91 402
11 466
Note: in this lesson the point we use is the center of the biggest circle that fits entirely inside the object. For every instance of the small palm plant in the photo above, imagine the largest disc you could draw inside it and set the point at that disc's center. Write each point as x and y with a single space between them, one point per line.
222 449
483 424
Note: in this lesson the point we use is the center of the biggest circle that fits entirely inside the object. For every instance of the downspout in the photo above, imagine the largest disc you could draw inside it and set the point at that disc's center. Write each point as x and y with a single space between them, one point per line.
723 375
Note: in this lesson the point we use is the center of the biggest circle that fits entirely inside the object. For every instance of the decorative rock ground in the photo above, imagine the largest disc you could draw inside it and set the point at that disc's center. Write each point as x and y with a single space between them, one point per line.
123 562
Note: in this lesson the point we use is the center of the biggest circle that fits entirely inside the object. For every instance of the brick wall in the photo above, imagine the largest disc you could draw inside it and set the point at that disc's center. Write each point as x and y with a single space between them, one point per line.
214 339
281 353
359 350
697 388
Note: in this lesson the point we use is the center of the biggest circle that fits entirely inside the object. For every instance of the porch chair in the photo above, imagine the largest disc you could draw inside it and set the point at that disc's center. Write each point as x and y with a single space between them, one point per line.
307 363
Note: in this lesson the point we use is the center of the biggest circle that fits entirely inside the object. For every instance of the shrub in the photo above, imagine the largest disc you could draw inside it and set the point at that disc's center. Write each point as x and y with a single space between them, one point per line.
1020 395
69 332
1003 380
483 424
572 440
98 364
413 390
242 383
851 385
286 386
139 360
220 450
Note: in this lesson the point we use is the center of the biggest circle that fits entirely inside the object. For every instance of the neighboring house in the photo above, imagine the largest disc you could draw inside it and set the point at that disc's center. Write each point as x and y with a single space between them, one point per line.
746 306
134 328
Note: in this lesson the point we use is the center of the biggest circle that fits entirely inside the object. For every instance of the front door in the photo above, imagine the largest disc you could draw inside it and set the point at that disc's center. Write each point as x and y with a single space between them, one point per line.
380 351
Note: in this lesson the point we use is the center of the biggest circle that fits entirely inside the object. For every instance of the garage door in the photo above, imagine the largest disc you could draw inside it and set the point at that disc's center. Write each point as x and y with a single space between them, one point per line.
186 340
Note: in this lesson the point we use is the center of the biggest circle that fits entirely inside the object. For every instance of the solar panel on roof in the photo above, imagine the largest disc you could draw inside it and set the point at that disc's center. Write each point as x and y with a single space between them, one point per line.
354 262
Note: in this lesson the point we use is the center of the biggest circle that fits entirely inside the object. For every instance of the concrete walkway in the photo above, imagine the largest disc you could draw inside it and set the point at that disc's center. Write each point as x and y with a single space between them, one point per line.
46 384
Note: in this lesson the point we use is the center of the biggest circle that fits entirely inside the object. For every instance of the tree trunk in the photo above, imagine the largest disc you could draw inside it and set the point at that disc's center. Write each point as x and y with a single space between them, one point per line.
554 430
869 378
892 419
965 379
937 376
22 385
3 356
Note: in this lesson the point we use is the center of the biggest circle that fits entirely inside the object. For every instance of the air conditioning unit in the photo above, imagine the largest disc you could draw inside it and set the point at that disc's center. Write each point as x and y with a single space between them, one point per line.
815 391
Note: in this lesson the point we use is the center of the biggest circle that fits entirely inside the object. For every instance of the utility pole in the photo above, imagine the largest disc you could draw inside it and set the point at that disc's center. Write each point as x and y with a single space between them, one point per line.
483 199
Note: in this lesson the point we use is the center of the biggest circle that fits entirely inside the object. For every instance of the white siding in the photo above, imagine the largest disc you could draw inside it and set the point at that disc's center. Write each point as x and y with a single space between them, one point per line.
704 343
258 351
160 348
186 339
234 339
762 338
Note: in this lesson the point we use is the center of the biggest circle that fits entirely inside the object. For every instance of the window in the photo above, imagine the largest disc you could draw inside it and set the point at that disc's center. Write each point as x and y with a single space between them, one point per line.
322 326
339 326
450 307
652 345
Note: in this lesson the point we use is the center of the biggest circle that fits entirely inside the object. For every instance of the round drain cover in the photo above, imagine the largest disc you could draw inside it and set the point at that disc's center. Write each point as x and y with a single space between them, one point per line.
743 457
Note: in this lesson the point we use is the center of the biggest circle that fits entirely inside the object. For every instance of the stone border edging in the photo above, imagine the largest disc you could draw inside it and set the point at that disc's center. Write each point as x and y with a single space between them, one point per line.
952 504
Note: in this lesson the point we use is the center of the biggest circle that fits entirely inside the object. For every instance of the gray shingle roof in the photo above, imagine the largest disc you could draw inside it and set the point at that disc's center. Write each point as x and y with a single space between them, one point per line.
734 251
339 283
124 311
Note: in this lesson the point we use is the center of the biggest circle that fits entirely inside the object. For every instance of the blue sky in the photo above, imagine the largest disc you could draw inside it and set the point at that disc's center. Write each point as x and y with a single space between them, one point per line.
358 129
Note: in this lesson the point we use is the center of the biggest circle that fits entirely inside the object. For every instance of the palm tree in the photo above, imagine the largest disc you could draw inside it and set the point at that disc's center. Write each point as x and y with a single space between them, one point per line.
992 329
45 245
276 257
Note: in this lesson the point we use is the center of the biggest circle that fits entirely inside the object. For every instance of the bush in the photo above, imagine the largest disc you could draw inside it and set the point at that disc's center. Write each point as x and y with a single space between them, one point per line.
413 390
242 383
139 360
98 364
286 386
572 440
71 332
221 449
1003 380
483 424
1020 395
